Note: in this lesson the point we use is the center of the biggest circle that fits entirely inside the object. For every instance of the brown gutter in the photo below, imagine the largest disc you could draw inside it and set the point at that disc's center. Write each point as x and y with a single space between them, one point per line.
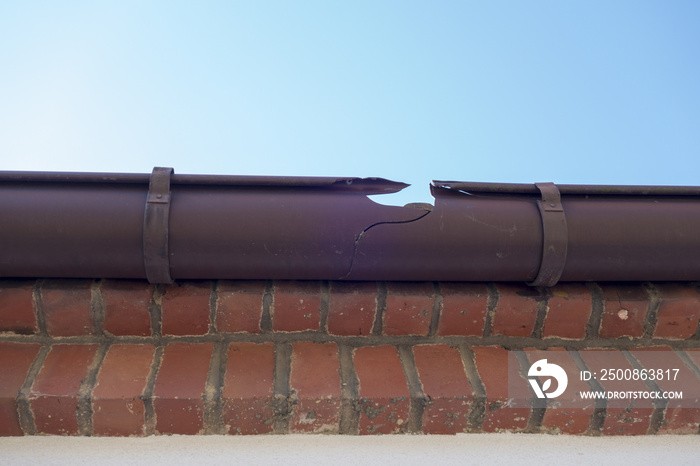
223 227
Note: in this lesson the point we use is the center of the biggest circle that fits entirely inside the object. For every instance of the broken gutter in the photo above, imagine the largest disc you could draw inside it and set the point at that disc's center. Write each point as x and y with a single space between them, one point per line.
166 226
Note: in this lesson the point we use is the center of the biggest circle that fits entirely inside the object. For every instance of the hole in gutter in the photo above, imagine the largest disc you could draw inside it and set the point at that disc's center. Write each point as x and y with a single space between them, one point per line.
407 197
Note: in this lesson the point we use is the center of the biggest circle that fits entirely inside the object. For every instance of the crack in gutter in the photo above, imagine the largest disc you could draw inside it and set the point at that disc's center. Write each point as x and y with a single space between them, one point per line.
362 233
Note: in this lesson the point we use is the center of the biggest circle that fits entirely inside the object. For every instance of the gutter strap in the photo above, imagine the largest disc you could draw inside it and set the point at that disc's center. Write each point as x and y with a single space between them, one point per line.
156 259
555 236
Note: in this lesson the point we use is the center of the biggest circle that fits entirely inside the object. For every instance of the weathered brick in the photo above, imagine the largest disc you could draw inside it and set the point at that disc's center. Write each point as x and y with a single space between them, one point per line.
15 360
494 371
409 308
67 306
249 388
625 311
316 379
679 311
681 416
569 310
116 400
463 309
568 413
185 308
17 314
384 395
623 416
353 307
239 306
516 311
297 306
126 307
179 389
445 384
54 394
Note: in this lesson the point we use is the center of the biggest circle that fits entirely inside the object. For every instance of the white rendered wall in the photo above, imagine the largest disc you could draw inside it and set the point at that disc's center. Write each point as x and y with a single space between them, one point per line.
521 449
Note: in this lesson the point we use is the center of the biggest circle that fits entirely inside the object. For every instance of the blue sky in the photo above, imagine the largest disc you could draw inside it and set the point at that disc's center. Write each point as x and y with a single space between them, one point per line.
570 92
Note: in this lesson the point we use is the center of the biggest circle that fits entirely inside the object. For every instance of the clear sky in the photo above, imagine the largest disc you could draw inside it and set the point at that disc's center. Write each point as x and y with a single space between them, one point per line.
565 91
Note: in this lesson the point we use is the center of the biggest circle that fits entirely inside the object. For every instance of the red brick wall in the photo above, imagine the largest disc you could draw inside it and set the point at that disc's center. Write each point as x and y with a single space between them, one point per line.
109 357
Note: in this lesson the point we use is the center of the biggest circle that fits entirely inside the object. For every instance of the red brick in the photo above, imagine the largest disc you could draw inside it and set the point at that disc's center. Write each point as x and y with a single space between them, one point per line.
409 308
463 309
17 313
54 394
353 307
15 359
67 306
625 311
694 355
516 311
568 413
384 395
679 312
623 416
316 379
249 388
494 371
239 306
297 306
681 416
569 311
116 400
126 307
186 309
445 384
179 389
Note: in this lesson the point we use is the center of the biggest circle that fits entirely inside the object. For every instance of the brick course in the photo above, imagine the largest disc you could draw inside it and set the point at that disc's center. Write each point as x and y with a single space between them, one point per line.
129 307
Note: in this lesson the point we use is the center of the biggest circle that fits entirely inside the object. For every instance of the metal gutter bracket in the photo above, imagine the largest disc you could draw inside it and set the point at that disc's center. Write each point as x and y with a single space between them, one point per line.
155 227
555 236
